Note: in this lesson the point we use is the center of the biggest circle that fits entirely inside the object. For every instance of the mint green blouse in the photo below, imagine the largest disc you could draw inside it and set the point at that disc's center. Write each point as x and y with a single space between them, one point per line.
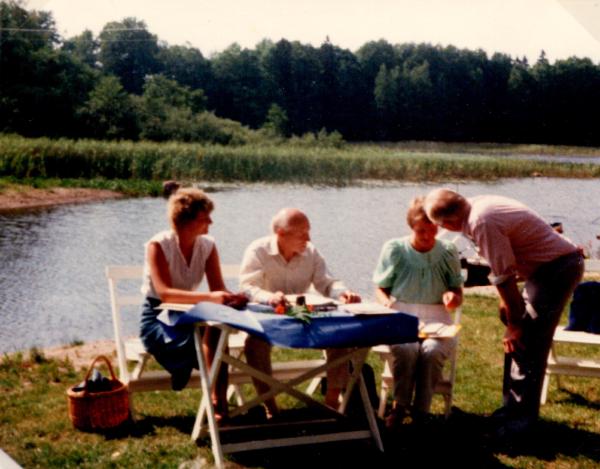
418 277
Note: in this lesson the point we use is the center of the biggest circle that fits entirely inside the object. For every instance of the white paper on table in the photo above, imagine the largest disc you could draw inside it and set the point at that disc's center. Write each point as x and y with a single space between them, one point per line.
366 308
170 312
438 330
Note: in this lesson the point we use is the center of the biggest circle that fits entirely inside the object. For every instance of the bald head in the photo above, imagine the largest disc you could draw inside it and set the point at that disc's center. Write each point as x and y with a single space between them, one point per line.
287 218
447 208
292 229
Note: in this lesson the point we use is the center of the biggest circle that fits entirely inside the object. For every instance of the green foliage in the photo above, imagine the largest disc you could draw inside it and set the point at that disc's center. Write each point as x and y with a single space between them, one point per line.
128 51
109 112
83 48
382 92
169 111
40 85
186 66
277 122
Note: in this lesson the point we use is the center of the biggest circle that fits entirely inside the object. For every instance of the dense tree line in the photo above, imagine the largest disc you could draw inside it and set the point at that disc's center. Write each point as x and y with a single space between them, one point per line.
126 83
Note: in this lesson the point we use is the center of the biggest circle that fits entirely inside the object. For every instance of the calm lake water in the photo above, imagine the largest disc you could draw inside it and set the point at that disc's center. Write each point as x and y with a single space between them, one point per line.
52 285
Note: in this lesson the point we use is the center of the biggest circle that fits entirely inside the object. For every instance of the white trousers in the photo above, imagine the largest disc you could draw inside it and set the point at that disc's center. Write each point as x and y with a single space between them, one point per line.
417 367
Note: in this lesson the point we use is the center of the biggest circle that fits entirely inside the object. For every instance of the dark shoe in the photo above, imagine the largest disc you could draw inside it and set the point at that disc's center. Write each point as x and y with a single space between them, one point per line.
500 414
397 417
514 431
499 417
422 419
179 379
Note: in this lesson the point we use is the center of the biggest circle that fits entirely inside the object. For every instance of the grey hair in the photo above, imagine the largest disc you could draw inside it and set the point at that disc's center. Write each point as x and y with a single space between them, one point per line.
443 203
285 218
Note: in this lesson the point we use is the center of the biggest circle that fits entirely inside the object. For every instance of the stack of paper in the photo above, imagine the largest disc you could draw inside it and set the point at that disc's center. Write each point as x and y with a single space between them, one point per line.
438 330
365 308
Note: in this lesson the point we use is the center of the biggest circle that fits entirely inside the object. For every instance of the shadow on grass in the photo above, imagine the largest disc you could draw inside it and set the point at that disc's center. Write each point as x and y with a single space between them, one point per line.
577 399
463 441
146 426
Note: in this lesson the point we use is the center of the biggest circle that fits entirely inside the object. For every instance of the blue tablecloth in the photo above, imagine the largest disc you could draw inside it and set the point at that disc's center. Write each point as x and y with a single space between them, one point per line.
333 330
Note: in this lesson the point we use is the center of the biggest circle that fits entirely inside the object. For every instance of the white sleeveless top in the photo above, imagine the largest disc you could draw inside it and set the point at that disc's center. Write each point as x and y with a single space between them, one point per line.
183 276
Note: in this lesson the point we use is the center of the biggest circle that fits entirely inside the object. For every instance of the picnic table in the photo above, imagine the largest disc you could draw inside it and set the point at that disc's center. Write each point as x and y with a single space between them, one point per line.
336 329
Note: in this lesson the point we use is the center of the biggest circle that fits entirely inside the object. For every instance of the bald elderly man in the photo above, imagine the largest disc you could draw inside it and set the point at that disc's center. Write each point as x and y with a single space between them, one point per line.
518 244
286 262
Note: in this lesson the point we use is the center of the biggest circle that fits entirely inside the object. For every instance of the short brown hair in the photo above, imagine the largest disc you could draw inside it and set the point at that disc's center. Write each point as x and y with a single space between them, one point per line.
186 204
416 211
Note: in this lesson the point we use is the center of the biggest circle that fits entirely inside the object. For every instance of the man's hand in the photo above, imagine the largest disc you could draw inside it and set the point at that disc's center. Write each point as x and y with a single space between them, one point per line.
350 297
503 312
451 300
278 298
512 339
221 296
237 301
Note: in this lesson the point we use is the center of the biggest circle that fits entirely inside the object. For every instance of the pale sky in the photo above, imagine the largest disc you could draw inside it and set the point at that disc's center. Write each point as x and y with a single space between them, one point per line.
562 28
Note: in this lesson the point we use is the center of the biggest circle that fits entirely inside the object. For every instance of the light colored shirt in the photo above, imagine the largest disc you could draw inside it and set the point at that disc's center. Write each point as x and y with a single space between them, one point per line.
264 271
417 277
512 237
183 276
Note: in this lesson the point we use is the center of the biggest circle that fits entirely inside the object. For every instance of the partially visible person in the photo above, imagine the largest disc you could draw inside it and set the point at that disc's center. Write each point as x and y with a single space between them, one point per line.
557 226
169 188
176 260
419 275
517 242
286 262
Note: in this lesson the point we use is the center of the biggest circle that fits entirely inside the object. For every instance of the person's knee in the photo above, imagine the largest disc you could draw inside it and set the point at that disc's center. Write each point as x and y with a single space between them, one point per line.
257 350
408 351
433 352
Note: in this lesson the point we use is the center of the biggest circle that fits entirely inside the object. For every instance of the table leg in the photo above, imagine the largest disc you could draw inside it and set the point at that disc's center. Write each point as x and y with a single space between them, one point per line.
370 413
199 428
206 401
360 357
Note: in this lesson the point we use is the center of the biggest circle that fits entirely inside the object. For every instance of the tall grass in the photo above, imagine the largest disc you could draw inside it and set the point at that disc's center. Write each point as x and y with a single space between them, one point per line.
286 162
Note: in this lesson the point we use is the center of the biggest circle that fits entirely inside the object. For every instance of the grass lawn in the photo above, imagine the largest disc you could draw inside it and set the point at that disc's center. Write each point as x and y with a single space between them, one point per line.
36 432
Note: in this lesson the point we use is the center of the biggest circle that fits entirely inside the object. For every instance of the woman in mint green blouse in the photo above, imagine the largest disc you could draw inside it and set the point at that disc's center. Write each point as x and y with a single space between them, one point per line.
419 275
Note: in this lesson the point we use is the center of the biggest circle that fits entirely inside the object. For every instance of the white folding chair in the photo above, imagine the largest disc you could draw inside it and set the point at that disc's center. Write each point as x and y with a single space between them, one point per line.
445 386
131 351
573 366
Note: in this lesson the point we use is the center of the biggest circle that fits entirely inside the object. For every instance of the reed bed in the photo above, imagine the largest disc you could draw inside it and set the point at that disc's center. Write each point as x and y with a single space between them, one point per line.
88 159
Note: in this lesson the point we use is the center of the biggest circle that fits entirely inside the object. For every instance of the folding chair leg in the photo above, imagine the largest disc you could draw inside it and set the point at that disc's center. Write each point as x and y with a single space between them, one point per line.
312 387
234 390
448 405
545 385
382 400
131 409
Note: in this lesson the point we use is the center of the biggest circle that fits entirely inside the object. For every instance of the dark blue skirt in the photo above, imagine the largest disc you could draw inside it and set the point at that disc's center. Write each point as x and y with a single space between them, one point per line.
173 347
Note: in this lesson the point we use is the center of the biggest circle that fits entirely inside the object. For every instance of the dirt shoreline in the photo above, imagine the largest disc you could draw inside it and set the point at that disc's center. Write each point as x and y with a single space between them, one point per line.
81 356
32 198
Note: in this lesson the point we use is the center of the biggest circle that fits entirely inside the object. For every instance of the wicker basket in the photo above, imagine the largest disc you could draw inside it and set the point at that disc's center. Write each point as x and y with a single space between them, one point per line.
103 410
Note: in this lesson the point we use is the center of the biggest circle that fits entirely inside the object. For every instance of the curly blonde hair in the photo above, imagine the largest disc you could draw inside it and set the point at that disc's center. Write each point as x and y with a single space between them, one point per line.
186 204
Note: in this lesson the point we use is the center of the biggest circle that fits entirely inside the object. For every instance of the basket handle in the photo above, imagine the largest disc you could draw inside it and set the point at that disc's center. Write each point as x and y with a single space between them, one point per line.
110 368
